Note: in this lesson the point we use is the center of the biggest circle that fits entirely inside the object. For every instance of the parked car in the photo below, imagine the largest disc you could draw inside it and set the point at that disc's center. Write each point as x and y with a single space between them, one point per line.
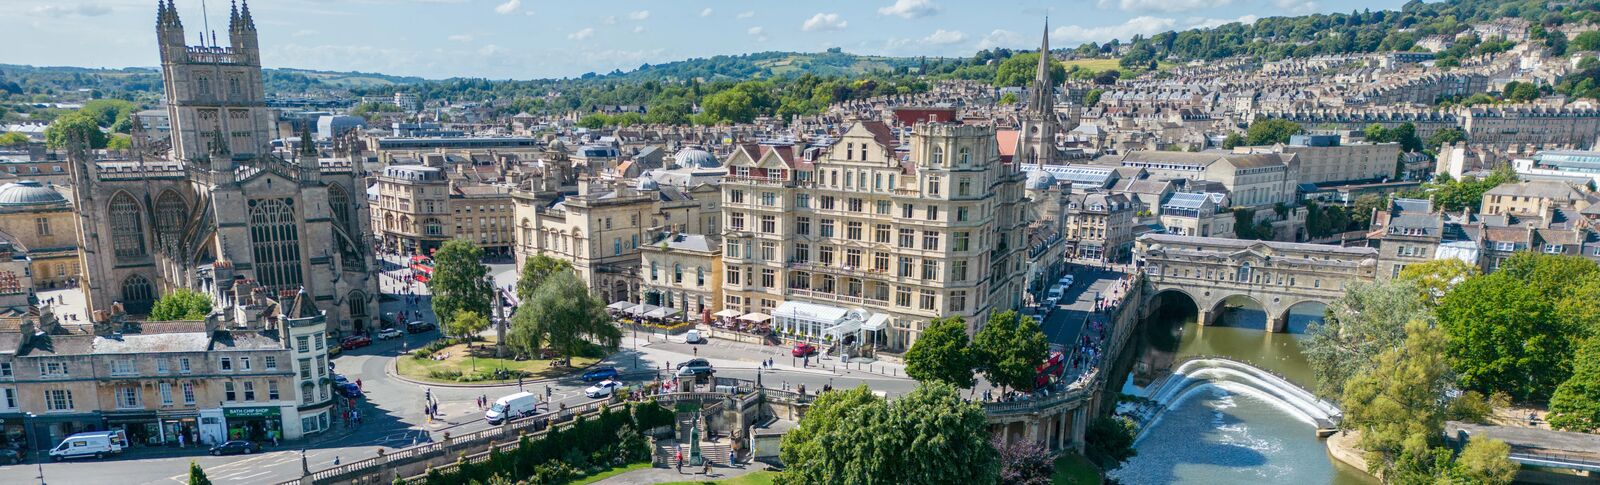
97 444
340 379
693 337
695 367
389 333
355 342
334 350
351 391
9 456
419 326
235 447
511 407
603 389
1066 281
803 349
601 374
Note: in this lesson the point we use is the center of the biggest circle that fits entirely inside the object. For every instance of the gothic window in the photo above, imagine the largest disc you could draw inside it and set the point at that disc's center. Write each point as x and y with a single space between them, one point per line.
339 202
203 87
233 88
171 212
137 294
358 304
127 230
275 243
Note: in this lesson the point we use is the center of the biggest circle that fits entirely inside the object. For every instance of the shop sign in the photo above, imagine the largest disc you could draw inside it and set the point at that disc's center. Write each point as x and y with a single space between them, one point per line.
249 412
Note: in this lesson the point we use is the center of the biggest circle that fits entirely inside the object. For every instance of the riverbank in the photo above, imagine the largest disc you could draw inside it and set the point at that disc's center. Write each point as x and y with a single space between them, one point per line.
1342 446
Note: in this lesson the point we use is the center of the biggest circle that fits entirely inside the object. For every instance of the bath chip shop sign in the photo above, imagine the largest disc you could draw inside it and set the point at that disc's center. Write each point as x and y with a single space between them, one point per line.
249 412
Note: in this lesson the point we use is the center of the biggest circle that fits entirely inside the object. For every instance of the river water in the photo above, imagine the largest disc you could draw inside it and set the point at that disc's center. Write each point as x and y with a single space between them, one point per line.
1228 433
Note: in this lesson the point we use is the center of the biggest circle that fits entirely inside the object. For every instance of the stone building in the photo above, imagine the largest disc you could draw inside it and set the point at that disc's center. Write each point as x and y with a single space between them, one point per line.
223 196
1252 180
1324 159
38 220
683 272
1099 227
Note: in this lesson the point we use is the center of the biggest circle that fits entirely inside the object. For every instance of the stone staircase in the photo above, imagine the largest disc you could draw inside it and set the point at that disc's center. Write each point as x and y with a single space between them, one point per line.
716 453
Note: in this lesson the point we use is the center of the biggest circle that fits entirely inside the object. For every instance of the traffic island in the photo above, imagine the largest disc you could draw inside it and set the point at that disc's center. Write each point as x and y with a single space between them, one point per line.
459 364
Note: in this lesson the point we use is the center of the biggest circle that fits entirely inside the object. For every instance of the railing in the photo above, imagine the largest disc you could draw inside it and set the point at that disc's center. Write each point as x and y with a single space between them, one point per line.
1556 458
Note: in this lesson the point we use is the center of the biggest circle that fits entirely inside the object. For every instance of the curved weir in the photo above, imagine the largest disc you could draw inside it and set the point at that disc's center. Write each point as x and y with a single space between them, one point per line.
1200 372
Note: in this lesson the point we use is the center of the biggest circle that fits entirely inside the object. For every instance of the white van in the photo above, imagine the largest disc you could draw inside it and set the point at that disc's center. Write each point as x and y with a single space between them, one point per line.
512 407
97 444
1053 297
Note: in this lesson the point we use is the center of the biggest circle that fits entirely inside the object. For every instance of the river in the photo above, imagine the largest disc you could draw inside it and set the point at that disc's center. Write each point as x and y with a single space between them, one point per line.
1227 433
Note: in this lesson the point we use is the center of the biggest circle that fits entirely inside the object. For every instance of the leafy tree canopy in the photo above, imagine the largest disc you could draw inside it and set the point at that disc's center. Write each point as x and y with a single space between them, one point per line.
855 437
1009 349
458 279
1368 320
181 304
942 353
562 314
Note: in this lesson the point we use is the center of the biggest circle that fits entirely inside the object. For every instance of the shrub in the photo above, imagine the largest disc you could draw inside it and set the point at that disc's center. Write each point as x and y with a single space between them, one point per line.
444 374
422 354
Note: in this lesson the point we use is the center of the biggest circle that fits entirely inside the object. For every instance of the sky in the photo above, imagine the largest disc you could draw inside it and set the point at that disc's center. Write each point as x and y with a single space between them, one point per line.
526 39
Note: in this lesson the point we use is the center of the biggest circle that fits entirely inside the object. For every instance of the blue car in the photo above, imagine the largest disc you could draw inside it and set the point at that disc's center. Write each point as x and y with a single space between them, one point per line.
351 391
600 374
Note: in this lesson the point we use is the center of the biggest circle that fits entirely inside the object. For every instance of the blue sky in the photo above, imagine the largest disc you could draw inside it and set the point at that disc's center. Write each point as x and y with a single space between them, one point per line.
525 39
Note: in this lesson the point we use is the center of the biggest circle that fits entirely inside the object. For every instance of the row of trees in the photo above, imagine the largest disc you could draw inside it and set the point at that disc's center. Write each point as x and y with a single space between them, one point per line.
1006 351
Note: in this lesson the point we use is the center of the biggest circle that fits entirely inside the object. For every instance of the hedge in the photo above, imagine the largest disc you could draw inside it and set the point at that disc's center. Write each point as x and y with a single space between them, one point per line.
590 445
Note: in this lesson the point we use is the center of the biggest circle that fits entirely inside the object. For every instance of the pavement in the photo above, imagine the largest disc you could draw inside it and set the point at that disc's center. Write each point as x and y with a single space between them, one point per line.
393 408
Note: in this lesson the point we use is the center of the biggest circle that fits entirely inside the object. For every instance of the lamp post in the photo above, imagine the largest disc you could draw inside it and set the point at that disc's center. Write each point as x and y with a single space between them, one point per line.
33 430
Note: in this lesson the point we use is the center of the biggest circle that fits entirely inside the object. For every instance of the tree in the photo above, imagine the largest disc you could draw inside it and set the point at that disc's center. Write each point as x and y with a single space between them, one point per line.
942 353
1445 137
1019 70
75 124
1108 441
465 324
1271 131
458 280
1503 336
12 138
1024 462
119 142
196 475
855 437
535 270
181 304
1369 319
1092 97
1587 41
1234 139
1008 99
1576 403
1486 461
1398 403
563 315
1435 278
1010 348
111 113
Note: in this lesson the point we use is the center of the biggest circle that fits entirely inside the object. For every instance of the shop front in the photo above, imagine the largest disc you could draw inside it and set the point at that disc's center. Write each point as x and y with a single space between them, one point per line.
175 424
13 431
142 428
254 423
50 429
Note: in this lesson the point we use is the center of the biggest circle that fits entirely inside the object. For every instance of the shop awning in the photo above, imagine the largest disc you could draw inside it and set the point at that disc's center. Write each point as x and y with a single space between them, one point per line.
726 313
662 312
621 305
876 322
640 309
756 317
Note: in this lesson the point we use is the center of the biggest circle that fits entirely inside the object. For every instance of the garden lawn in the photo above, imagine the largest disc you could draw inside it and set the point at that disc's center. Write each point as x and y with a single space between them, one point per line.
609 473
1075 469
481 357
752 478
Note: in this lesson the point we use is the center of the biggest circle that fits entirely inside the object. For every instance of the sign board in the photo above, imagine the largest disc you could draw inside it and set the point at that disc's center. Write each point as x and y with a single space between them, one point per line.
250 412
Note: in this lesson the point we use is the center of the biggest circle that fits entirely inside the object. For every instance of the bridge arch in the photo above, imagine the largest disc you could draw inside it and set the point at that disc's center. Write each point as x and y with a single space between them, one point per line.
1299 314
1230 309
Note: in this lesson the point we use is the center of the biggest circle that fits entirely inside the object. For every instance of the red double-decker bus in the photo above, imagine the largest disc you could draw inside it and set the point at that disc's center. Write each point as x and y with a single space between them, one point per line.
422 268
1050 370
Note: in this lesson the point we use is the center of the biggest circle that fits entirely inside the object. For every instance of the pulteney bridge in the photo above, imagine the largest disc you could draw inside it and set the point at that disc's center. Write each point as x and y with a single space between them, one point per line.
1276 275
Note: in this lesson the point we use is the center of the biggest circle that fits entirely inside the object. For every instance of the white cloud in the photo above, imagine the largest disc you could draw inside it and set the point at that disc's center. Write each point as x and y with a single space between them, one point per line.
746 14
1162 5
508 7
757 30
1296 6
706 12
1142 25
639 14
86 10
609 20
945 37
1206 23
586 33
638 29
1000 38
461 38
910 9
824 21
489 50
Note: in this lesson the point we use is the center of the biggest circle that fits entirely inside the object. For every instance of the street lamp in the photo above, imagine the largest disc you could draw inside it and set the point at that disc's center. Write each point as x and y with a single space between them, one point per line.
36 449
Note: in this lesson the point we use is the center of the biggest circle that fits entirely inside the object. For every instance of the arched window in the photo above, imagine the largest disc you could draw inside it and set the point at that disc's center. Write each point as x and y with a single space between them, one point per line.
339 203
938 156
275 243
127 230
171 213
1243 275
137 294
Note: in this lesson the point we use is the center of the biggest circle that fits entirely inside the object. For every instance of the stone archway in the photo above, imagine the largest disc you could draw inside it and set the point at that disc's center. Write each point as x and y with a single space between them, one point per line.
1298 315
1241 310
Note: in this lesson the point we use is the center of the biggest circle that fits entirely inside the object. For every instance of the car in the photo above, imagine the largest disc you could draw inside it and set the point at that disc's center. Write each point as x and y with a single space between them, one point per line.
419 326
803 349
1066 281
693 337
603 389
389 333
601 374
355 342
340 379
235 447
695 367
10 457
349 390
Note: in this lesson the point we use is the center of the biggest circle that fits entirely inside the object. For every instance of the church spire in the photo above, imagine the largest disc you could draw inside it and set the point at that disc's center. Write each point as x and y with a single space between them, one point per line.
246 21
233 16
1043 87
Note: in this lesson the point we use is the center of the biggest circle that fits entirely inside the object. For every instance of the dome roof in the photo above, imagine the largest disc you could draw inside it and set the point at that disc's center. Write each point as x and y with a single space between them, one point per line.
1041 180
647 183
29 193
696 157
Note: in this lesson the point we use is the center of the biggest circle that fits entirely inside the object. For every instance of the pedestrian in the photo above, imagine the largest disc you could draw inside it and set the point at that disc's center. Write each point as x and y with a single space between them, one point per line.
732 459
181 443
335 460
680 462
358 384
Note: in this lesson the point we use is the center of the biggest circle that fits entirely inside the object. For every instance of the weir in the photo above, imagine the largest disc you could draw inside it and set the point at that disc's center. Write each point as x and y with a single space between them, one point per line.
1199 372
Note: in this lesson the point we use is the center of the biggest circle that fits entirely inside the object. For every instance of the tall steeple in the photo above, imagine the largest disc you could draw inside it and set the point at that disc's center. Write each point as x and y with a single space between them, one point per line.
1041 96
1037 143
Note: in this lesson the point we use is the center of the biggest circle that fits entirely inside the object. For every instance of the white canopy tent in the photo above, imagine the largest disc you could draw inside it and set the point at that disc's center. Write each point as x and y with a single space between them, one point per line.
640 309
662 312
726 313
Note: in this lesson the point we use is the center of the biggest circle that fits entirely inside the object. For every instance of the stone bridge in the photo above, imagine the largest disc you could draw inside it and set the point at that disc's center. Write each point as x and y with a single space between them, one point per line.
1276 275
